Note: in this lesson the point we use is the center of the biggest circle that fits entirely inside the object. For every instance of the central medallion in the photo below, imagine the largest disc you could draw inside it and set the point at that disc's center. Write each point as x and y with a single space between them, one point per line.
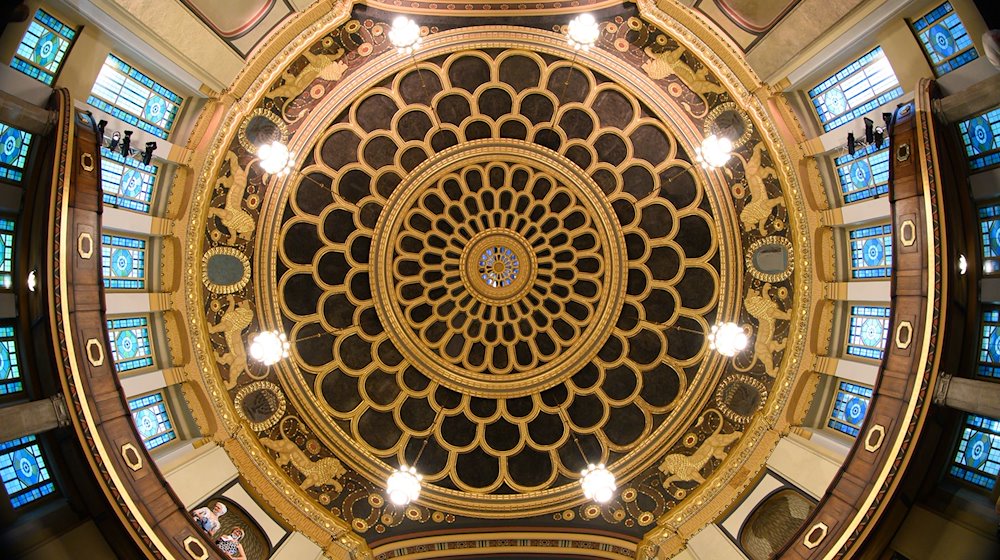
497 268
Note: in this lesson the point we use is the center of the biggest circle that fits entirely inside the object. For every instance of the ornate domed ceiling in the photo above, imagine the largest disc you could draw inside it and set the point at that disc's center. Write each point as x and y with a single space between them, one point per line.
496 260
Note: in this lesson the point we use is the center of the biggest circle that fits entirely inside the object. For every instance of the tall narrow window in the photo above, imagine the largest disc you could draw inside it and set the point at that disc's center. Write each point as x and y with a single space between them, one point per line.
130 348
871 252
979 135
14 144
10 365
123 262
127 183
860 87
946 42
6 252
868 329
152 420
977 459
24 471
850 405
43 48
865 174
989 234
130 95
989 344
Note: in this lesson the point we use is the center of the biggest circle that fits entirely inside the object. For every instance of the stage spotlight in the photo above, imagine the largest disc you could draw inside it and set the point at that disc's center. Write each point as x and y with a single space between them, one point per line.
148 154
115 138
887 119
101 125
126 143
879 137
850 143
869 130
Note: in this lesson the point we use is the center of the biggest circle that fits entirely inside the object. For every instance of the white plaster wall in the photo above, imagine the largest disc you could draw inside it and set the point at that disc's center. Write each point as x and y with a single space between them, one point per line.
803 465
712 544
199 474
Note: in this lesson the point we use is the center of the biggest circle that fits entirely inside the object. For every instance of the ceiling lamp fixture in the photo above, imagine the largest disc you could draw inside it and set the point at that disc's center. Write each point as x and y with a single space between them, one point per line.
269 347
714 151
728 339
275 159
403 485
405 35
583 32
598 483
33 283
963 265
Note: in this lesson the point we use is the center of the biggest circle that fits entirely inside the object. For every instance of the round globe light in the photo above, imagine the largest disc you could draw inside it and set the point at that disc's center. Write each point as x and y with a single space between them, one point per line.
963 265
33 283
403 485
583 32
714 151
275 159
269 347
728 339
598 483
405 35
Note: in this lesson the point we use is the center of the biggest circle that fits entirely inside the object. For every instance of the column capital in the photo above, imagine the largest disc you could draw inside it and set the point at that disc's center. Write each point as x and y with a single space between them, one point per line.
941 388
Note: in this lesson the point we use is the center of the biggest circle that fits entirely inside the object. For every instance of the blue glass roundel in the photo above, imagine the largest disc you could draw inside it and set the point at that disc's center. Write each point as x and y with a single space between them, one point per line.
861 174
942 41
121 262
855 410
995 238
155 109
131 183
127 344
977 450
871 333
146 423
994 346
46 49
980 135
11 142
835 100
874 252
5 369
26 466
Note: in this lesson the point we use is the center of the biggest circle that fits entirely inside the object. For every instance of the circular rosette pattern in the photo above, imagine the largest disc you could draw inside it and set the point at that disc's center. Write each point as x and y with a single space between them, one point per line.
393 275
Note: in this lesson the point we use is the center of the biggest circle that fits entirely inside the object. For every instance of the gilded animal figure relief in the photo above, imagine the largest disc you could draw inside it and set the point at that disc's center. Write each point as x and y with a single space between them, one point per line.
239 223
325 66
321 472
670 62
757 211
680 467
766 311
234 321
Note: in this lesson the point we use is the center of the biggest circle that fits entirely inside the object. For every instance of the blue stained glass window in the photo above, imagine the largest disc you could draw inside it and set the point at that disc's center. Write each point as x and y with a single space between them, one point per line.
860 87
126 182
152 420
989 344
865 174
989 235
980 136
6 252
946 42
850 406
24 471
14 146
867 332
871 252
130 95
43 48
10 368
130 346
977 459
123 262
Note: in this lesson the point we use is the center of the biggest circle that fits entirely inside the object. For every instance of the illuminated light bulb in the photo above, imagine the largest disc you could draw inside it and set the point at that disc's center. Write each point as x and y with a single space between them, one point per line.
269 347
405 35
598 483
32 281
275 159
728 339
963 265
583 32
714 152
403 485
989 267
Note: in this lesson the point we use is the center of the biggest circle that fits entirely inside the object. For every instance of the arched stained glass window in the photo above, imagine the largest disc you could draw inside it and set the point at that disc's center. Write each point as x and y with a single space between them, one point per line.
850 405
43 48
871 252
24 471
865 174
130 347
867 331
977 459
980 137
14 145
127 94
123 262
989 344
6 252
860 87
945 41
989 234
152 420
127 183
10 365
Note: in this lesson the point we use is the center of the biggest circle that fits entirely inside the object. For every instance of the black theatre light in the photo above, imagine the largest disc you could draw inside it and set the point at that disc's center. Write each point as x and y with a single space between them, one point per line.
869 130
850 143
115 138
148 153
126 143
101 125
